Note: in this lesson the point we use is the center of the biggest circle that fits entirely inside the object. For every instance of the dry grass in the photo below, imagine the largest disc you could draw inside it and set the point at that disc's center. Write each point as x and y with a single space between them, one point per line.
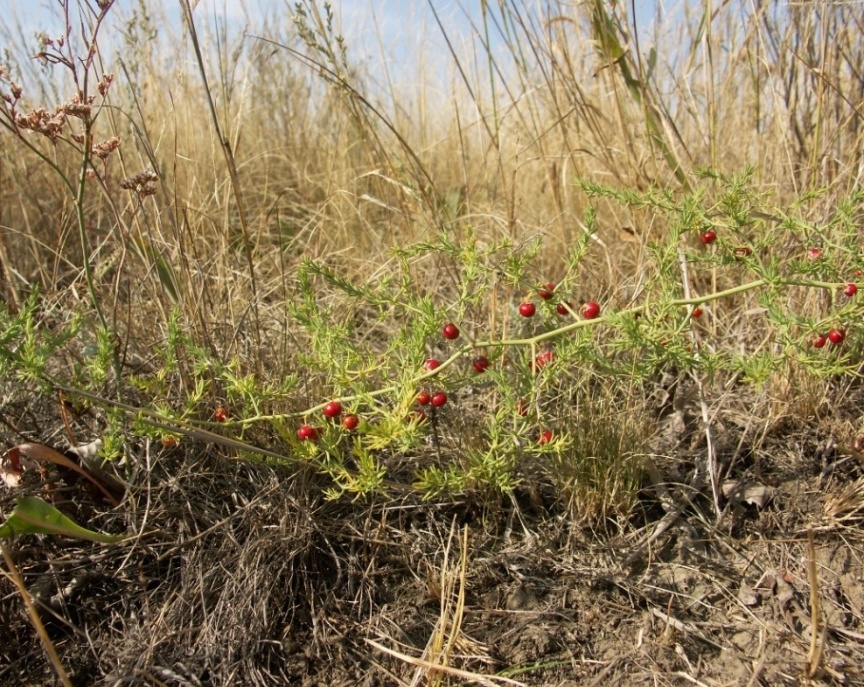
337 171
242 572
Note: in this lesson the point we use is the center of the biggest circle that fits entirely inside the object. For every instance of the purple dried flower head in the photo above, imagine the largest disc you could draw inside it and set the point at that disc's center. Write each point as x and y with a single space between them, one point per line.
143 183
103 149
76 109
105 84
39 121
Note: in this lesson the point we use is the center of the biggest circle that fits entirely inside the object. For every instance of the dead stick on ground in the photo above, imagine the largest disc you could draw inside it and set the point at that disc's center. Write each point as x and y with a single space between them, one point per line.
817 643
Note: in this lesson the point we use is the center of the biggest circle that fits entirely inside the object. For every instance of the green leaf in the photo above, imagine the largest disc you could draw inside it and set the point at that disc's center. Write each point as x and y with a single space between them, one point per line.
652 62
34 516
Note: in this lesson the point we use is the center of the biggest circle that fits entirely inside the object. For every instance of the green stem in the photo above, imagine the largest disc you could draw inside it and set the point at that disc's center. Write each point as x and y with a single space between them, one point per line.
82 226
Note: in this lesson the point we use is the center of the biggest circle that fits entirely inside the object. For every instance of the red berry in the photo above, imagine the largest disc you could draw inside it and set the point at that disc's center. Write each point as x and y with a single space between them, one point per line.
480 363
527 310
697 312
850 290
350 422
562 309
544 437
307 433
542 360
742 252
819 341
431 364
423 398
814 253
590 310
169 441
220 414
332 409
439 399
450 331
546 291
709 236
836 336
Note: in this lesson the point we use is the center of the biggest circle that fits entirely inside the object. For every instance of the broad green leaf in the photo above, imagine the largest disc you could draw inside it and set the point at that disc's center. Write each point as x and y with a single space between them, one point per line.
34 516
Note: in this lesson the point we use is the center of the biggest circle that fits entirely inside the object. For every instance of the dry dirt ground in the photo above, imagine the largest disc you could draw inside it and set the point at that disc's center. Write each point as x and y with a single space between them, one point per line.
245 575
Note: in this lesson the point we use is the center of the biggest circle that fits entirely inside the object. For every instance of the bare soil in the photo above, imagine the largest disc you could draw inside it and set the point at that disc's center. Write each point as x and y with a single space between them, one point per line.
243 574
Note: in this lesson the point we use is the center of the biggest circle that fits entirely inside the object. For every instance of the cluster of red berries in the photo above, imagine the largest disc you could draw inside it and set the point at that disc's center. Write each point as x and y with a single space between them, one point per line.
331 411
480 363
835 336
589 311
424 398
436 400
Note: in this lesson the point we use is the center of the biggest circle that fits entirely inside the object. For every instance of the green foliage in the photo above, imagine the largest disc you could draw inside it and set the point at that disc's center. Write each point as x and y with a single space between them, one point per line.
559 401
365 343
28 343
364 340
32 515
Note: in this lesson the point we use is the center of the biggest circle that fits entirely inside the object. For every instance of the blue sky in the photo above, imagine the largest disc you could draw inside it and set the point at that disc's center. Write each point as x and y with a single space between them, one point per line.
380 34
401 24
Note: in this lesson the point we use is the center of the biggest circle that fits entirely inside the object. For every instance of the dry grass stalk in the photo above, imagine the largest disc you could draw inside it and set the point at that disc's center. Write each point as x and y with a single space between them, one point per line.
433 668
35 620
447 638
